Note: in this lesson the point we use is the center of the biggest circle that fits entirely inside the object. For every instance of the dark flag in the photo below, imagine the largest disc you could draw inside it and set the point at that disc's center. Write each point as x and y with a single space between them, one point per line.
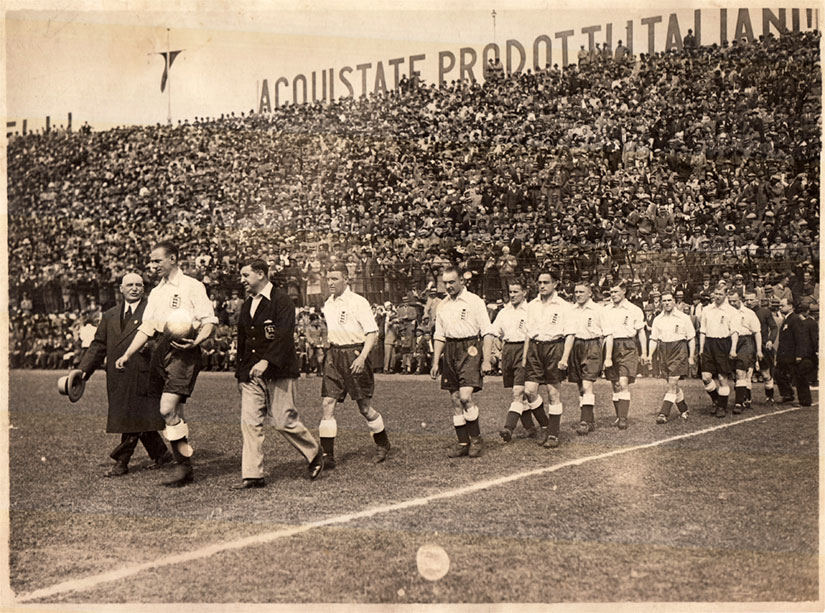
167 66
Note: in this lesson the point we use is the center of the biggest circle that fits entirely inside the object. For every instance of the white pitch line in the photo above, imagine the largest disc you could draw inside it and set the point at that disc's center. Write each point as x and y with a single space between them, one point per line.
93 581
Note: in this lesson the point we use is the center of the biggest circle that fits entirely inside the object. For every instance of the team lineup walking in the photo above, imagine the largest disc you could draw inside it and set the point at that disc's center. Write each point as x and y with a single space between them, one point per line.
537 343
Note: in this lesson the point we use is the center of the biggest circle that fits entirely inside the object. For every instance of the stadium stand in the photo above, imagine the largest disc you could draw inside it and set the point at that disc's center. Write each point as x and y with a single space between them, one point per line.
668 169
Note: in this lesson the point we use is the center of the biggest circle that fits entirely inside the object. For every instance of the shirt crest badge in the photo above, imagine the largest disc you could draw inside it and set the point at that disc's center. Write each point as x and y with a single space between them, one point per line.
174 302
342 318
269 332
463 314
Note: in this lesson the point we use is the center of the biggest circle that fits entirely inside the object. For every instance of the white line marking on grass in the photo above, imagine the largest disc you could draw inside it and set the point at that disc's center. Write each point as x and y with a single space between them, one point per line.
93 581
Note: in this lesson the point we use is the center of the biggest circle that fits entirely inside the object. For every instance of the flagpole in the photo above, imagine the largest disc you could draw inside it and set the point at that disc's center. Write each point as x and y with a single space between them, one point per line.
168 78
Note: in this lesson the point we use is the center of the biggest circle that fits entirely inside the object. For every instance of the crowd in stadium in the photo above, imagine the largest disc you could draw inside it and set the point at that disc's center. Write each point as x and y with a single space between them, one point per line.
667 170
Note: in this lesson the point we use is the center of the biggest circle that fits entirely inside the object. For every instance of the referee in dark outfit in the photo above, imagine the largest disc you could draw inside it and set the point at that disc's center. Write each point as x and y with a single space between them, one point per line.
461 321
352 332
794 356
266 370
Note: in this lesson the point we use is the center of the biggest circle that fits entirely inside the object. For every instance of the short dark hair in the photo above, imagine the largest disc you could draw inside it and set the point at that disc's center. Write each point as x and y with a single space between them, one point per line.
451 268
621 284
259 265
169 248
553 272
340 267
516 281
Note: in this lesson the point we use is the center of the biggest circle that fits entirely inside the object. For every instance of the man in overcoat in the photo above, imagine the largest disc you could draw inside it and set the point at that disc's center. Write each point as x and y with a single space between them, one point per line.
133 412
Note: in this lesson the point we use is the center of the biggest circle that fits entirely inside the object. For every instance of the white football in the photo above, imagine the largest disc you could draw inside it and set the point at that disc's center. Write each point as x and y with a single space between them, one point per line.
179 325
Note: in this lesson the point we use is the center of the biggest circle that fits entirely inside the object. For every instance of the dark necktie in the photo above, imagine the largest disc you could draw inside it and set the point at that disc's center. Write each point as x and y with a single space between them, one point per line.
127 315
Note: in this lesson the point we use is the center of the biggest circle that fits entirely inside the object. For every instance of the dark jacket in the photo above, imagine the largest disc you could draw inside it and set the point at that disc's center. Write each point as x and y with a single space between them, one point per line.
269 336
795 340
131 407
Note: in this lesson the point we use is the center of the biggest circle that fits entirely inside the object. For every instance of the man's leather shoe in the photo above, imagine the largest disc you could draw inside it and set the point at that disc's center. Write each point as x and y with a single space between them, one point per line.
163 460
458 451
180 475
381 452
531 433
118 470
329 461
316 466
249 484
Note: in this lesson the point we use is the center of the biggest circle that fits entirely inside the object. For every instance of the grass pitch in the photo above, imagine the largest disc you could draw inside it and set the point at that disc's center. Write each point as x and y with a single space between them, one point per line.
729 515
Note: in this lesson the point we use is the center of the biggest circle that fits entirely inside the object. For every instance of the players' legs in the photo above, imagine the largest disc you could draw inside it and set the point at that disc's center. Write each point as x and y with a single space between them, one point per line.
587 400
328 429
711 388
767 377
673 396
514 413
553 426
617 387
177 433
470 411
375 423
724 393
743 378
526 414
622 399
535 407
460 425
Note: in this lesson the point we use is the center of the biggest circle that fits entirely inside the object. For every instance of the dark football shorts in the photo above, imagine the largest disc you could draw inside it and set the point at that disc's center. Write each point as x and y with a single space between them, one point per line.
768 360
625 360
673 359
172 371
585 360
461 364
543 362
716 356
745 353
512 371
338 378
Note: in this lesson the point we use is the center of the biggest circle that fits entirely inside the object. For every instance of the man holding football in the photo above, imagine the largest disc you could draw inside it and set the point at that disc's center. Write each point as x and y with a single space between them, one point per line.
176 301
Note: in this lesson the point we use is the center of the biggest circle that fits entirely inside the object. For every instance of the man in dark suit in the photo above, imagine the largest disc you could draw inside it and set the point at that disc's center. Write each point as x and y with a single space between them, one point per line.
266 370
133 412
794 356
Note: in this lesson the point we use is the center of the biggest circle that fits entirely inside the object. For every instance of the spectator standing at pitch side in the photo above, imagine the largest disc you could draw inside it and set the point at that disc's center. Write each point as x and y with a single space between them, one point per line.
717 347
175 364
794 353
547 345
266 370
768 329
748 350
673 337
133 412
592 333
510 326
352 332
461 321
626 322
